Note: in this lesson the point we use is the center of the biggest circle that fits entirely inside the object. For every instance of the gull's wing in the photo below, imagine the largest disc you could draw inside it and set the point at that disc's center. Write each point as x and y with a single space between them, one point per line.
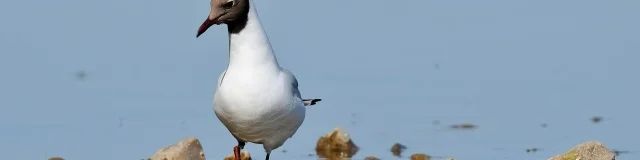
294 87
221 77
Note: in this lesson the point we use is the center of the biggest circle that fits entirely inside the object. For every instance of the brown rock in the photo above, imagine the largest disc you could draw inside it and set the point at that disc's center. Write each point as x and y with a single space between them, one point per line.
56 158
420 156
244 155
187 149
336 145
371 158
397 149
587 151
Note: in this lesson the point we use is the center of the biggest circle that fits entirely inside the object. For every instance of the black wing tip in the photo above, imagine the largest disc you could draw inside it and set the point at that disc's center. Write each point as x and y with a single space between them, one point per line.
312 101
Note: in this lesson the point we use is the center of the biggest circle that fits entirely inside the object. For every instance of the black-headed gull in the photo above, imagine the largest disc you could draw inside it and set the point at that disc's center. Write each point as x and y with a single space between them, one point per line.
256 99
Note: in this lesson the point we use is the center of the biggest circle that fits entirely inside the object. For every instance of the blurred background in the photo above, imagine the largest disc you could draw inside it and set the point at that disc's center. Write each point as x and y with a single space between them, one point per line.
120 79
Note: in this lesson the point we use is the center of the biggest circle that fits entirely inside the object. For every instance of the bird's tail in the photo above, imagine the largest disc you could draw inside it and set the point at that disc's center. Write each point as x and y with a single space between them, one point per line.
310 102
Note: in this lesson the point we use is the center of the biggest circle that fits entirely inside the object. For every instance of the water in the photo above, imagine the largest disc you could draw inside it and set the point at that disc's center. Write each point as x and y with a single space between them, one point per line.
386 70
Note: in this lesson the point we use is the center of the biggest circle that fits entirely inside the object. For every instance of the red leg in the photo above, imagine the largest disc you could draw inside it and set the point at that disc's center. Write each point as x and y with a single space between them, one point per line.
236 152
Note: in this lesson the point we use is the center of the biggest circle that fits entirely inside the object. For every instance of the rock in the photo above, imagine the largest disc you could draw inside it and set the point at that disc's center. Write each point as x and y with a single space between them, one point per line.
587 151
397 149
244 155
187 149
56 158
420 156
336 145
371 158
450 159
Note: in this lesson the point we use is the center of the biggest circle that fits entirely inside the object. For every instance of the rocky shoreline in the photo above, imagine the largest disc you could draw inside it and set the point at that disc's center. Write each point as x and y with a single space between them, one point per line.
338 145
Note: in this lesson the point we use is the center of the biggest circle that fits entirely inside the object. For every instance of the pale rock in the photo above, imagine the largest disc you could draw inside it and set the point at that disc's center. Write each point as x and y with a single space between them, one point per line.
587 151
336 145
187 149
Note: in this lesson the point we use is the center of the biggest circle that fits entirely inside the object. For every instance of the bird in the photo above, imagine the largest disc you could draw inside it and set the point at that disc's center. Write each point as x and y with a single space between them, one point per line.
256 99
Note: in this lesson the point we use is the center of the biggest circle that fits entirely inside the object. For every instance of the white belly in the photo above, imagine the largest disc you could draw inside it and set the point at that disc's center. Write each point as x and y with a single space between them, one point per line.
261 109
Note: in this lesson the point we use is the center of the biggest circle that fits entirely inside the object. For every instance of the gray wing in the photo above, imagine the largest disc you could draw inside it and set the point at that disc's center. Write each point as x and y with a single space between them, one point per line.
294 84
221 77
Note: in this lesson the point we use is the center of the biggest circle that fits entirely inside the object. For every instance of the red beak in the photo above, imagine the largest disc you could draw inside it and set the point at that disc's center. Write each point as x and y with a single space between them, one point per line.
207 23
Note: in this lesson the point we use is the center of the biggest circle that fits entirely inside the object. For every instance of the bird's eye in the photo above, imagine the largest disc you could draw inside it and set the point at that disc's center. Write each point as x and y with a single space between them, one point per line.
228 4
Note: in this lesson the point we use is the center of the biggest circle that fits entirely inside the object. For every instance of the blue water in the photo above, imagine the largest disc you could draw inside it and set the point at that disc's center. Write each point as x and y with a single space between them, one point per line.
506 66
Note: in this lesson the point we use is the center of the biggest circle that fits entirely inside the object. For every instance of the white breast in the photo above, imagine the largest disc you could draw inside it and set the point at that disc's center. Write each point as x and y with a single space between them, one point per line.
259 106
